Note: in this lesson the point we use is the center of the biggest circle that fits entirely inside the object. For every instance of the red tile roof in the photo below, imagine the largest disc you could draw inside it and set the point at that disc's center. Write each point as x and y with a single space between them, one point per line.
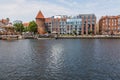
25 24
48 20
4 21
39 15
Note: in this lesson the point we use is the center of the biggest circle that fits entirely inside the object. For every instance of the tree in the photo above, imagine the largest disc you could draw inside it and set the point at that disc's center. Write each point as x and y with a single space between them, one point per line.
25 29
32 27
19 27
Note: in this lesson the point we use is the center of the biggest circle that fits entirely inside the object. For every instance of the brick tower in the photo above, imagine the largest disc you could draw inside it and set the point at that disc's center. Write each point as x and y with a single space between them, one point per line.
40 21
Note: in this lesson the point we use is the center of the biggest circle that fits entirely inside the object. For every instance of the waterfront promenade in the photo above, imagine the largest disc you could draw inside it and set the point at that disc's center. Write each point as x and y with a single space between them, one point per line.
90 37
17 37
9 37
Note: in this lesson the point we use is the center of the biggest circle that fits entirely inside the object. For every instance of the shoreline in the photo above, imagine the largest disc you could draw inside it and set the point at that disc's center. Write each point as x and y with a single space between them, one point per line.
61 37
83 37
88 38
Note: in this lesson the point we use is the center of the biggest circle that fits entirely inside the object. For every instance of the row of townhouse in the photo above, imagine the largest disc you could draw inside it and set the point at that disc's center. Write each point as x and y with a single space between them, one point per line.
109 25
82 24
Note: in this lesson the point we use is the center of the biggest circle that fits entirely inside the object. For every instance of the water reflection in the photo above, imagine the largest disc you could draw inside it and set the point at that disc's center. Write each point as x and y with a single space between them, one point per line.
60 60
56 53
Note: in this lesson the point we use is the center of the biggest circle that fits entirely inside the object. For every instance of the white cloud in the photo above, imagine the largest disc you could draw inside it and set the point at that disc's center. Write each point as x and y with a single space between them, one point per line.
26 10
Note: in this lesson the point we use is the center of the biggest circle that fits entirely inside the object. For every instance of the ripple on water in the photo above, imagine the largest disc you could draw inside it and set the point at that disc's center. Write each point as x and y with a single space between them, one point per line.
60 60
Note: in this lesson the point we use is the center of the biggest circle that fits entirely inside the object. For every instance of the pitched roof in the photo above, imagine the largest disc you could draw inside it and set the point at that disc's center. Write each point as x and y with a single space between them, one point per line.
25 24
48 20
39 15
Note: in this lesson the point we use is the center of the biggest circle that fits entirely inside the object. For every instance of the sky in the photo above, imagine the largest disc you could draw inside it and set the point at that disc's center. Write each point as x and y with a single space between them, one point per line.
26 10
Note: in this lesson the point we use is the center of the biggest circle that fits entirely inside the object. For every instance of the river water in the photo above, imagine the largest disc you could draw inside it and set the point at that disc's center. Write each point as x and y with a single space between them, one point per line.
65 59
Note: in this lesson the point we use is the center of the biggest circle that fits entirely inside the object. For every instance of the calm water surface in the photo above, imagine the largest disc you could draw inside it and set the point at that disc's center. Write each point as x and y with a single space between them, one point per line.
60 59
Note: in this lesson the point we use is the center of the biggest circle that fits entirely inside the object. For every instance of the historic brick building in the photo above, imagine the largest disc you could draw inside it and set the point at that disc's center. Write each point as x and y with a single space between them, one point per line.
88 23
81 24
26 24
40 21
5 21
109 25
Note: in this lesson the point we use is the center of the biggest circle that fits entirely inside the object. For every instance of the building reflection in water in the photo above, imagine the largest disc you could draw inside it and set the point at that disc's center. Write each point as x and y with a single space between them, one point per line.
56 58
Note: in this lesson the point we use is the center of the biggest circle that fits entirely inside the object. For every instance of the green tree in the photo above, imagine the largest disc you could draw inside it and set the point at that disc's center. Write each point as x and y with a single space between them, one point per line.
25 29
19 27
32 27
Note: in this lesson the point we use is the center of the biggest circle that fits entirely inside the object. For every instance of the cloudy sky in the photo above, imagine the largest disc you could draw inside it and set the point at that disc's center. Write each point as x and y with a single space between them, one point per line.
26 10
